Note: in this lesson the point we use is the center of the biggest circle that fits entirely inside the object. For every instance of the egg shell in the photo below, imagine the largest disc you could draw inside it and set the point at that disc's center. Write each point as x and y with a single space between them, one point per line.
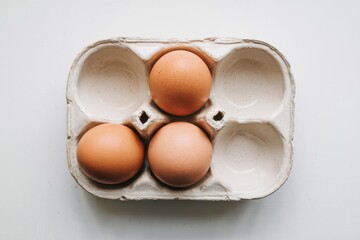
110 153
180 154
180 82
249 116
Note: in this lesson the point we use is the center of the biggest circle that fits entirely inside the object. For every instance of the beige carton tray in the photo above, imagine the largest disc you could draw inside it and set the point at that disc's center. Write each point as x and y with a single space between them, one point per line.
249 116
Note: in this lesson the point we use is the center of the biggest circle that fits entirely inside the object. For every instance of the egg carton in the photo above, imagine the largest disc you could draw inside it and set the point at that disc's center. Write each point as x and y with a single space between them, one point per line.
249 116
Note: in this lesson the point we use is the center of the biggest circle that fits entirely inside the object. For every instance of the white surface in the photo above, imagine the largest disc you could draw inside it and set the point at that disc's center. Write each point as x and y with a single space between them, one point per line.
40 200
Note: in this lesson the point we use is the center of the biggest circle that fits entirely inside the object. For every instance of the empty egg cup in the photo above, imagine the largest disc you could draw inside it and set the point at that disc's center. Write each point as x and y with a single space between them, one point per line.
249 116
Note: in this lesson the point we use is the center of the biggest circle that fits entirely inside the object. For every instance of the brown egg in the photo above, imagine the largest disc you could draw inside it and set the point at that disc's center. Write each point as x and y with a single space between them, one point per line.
180 154
180 82
110 153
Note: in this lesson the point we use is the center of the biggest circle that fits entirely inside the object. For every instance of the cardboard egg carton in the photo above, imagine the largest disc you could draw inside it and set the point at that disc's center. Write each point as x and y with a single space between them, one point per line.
249 116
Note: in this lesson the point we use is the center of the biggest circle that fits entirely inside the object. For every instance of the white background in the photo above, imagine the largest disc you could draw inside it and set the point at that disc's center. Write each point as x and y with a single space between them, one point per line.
40 200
